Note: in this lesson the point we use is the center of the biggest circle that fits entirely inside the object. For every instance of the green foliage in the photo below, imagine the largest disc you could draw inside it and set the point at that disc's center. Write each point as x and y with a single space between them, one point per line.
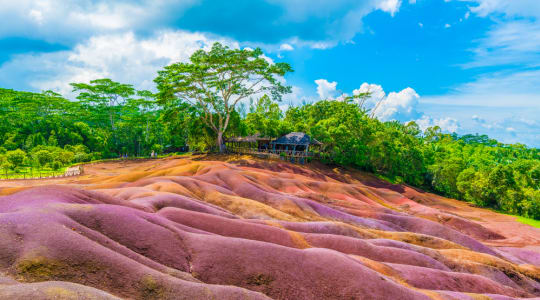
43 157
56 165
15 158
157 148
199 103
215 81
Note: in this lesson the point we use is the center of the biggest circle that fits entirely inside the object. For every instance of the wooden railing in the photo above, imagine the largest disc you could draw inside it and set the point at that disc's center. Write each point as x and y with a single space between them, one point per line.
290 155
71 171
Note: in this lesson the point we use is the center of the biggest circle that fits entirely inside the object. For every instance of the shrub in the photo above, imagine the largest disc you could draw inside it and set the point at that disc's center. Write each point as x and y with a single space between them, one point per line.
82 157
56 165
43 157
15 158
65 157
157 148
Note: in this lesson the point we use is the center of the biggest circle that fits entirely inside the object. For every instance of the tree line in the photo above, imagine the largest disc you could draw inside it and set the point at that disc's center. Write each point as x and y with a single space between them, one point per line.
226 92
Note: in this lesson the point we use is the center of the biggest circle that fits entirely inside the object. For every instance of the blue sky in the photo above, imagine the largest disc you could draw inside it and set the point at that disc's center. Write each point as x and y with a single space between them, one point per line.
468 66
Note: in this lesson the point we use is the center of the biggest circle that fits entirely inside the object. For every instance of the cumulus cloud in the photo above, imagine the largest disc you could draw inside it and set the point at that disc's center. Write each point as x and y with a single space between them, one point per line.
317 24
69 21
121 57
401 106
326 89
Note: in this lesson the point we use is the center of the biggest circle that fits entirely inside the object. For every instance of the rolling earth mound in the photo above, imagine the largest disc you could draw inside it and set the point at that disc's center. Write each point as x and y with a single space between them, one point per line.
230 227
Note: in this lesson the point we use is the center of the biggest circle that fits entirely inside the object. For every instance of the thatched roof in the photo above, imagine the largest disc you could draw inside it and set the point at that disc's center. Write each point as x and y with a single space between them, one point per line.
296 138
248 139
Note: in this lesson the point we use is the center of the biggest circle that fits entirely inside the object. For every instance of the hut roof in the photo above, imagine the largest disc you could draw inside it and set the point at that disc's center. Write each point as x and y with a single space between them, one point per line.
248 139
296 138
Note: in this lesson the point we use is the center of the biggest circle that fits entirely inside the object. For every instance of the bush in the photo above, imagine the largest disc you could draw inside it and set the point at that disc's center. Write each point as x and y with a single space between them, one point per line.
96 156
157 148
65 157
43 157
15 158
56 165
82 157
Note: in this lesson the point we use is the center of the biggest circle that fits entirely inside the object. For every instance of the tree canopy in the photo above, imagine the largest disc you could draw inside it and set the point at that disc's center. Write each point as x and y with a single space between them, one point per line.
215 81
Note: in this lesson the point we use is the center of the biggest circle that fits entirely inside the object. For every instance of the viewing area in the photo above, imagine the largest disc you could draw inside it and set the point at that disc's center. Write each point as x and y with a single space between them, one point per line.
294 146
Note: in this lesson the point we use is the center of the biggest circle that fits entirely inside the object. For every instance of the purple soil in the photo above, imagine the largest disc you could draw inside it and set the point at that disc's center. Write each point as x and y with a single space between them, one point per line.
191 229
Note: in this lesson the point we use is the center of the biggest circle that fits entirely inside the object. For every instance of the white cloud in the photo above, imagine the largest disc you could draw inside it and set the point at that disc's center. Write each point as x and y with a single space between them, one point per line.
325 89
507 94
512 42
389 6
399 106
68 21
376 92
448 125
502 89
343 18
420 24
37 16
447 25
121 57
526 8
286 47
296 97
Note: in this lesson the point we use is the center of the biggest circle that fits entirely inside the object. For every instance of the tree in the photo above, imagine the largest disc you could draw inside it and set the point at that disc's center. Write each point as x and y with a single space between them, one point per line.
104 95
43 157
157 148
264 117
52 141
16 158
216 81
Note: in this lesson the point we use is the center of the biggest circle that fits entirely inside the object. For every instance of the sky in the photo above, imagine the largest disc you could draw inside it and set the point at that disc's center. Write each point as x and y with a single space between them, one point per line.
468 66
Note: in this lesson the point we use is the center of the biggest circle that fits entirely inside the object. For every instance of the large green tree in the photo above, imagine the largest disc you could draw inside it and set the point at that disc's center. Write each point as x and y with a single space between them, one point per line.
104 96
215 81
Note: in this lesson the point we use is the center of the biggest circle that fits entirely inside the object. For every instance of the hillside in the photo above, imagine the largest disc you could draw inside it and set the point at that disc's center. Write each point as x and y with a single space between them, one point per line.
230 227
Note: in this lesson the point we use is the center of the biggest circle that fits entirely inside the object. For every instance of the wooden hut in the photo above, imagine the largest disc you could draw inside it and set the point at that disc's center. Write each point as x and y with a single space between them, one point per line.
294 144
248 144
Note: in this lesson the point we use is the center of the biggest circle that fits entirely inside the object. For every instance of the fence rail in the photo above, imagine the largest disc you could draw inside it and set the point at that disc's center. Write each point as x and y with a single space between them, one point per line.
289 155
69 172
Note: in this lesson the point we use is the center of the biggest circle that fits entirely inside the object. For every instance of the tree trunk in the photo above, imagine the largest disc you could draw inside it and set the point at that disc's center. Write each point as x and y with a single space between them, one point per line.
219 141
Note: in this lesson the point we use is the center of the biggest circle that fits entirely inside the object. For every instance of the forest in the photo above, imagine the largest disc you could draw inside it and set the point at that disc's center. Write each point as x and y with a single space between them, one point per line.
225 92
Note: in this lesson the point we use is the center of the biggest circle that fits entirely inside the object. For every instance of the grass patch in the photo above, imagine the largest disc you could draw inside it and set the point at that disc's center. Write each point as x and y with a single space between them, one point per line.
27 172
531 222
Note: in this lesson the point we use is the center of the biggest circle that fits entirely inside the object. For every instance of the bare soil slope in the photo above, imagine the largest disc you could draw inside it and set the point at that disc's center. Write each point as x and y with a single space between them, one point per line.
229 227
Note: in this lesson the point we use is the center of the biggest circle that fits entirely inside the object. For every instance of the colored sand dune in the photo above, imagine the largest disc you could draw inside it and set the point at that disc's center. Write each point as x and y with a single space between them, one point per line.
241 228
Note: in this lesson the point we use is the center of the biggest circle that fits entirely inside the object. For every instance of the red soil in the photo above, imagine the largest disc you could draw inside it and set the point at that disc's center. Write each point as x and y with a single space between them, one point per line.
242 228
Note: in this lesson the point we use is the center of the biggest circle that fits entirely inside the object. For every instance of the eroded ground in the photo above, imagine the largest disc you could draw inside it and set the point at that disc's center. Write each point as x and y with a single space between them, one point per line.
241 228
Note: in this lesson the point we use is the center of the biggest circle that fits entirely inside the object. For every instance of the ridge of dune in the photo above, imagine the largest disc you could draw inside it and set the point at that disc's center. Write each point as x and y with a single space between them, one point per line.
235 227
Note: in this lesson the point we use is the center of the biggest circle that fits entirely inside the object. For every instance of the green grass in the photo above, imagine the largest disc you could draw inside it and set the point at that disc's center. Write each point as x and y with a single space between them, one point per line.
521 219
27 172
531 222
